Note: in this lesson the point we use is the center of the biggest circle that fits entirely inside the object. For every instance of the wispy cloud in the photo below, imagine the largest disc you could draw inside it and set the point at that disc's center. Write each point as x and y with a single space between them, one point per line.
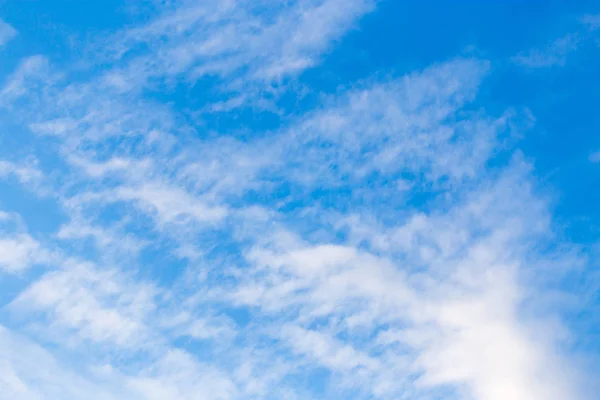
178 376
31 74
94 303
19 251
7 33
249 47
26 174
386 242
465 281
555 54
592 21
30 372
436 289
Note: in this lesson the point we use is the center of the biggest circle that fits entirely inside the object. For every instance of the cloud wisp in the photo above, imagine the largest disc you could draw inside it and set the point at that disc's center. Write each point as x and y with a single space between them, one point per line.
7 33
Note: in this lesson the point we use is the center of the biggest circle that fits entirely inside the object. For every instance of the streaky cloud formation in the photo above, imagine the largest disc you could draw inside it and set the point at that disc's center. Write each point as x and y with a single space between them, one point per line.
389 240
250 48
555 54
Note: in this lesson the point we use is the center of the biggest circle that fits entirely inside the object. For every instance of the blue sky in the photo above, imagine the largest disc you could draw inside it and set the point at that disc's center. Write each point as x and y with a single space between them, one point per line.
319 199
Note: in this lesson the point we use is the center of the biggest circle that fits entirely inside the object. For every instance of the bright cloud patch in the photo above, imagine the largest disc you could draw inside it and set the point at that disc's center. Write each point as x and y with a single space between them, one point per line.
385 240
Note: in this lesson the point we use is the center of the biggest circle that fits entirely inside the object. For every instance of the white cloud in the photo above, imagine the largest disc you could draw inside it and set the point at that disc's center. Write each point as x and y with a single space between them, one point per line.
7 33
555 54
172 204
480 344
29 372
418 277
401 125
452 295
31 73
112 166
423 275
394 297
98 305
249 45
592 21
112 241
20 252
595 157
327 351
28 175
178 376
186 324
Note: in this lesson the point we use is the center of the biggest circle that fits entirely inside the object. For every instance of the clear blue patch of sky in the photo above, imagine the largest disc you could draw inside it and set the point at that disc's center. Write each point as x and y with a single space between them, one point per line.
53 27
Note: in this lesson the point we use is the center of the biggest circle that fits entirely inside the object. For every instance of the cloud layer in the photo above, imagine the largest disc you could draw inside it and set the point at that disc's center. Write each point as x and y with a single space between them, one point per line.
388 243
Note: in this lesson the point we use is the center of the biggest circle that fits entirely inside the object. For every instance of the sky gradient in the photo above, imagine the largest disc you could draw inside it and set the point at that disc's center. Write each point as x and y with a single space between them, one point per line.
316 199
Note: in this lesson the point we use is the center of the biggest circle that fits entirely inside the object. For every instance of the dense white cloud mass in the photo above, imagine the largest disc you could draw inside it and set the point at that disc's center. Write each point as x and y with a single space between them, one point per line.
387 244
